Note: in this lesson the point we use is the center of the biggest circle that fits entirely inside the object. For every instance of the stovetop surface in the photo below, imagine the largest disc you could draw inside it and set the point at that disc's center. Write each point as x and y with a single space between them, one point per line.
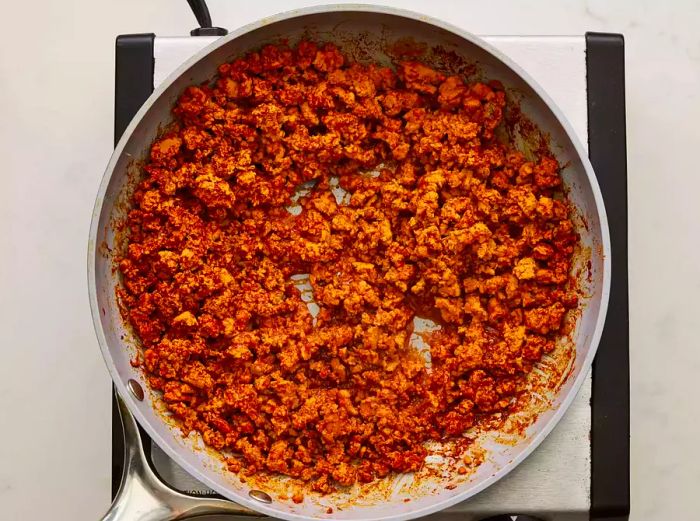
555 481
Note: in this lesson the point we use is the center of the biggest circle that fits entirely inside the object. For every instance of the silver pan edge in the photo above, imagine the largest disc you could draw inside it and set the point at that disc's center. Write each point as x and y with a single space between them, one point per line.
329 21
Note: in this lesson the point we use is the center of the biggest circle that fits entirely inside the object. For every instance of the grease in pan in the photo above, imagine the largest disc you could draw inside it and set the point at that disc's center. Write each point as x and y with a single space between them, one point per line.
436 216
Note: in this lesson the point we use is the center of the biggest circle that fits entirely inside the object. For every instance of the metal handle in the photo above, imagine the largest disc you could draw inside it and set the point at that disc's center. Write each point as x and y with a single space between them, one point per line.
143 496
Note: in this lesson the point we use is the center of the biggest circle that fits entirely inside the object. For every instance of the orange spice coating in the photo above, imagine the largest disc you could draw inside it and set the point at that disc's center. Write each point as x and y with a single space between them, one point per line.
457 226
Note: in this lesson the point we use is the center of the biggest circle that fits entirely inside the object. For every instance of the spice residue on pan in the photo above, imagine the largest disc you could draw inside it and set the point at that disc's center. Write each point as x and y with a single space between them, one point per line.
278 323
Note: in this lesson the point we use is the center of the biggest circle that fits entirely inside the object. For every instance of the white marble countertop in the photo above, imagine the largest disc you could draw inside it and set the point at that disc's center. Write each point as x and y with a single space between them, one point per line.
56 106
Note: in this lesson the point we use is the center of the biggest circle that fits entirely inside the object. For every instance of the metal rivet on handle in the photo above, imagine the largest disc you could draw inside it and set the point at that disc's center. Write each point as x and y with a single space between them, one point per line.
259 495
136 389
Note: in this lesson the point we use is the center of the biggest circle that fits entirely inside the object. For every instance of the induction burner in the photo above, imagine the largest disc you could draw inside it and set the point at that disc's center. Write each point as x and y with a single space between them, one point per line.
581 471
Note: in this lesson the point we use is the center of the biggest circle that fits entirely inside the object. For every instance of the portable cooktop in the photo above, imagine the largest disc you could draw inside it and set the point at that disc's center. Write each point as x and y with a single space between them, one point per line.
581 471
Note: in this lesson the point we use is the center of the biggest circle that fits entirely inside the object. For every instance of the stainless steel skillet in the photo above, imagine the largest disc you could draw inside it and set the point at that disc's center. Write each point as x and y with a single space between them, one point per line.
367 33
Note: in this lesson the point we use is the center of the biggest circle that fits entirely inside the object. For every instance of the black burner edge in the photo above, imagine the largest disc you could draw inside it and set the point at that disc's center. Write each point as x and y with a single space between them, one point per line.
133 84
134 64
610 429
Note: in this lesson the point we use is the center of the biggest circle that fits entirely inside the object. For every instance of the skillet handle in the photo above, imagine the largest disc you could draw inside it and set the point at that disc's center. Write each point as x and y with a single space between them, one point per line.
143 496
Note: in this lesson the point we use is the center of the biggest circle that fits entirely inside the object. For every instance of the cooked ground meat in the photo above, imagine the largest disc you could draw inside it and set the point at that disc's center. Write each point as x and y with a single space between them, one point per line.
440 219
